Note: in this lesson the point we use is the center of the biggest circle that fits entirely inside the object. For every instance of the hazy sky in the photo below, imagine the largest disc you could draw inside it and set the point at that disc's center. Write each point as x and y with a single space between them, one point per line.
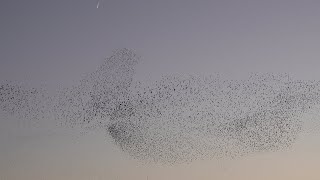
56 41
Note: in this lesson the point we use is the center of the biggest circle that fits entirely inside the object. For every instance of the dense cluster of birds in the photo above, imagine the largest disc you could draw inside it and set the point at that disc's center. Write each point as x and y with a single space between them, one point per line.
179 118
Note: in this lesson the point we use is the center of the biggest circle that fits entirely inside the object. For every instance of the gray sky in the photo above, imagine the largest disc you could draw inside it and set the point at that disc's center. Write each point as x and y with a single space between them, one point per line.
56 41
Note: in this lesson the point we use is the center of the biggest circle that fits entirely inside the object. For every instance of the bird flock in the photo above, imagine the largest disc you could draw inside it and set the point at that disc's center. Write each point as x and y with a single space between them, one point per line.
177 119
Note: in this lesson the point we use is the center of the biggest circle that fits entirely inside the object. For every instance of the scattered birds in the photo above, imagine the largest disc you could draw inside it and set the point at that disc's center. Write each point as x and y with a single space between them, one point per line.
29 104
179 118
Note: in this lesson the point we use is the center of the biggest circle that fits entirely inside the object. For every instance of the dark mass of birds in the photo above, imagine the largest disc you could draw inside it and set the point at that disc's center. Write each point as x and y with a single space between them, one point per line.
179 118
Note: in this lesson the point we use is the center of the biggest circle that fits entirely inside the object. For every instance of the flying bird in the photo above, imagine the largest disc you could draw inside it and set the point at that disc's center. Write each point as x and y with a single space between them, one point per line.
98 4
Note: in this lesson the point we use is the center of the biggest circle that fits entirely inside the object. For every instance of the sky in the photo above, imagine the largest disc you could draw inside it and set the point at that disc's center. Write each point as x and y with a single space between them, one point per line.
57 41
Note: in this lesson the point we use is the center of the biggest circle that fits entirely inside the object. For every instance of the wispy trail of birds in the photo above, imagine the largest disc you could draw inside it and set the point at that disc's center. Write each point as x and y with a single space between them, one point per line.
179 118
